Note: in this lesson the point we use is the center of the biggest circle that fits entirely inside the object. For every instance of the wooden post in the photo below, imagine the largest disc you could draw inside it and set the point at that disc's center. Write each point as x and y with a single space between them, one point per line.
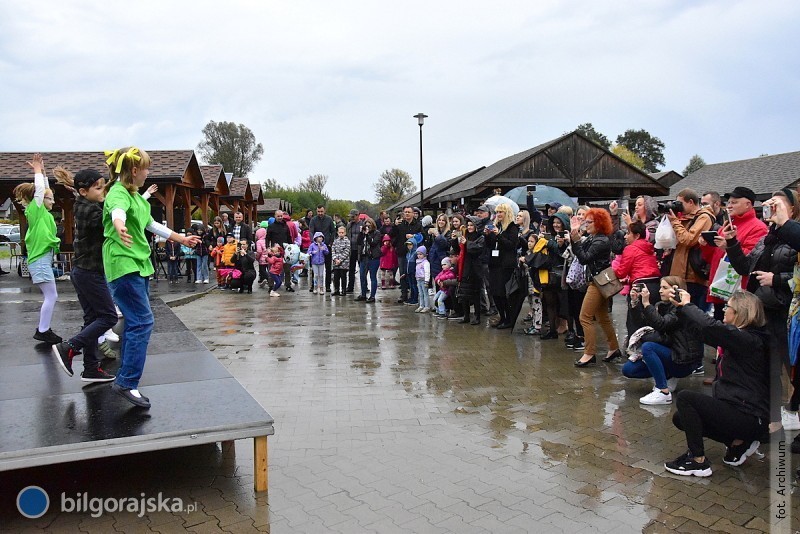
186 193
169 204
204 208
260 463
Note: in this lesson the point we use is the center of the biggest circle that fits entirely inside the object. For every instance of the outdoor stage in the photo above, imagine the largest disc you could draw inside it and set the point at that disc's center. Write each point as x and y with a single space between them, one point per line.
48 417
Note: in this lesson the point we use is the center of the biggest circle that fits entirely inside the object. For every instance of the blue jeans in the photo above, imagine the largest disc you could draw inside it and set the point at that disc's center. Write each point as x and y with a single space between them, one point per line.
98 313
411 282
369 266
422 291
202 268
132 294
656 362
438 301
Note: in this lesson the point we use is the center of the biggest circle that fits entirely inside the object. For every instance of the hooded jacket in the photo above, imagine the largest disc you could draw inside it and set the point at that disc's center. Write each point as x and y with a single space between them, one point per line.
411 257
638 260
261 246
317 251
743 367
388 255
275 263
441 278
423 266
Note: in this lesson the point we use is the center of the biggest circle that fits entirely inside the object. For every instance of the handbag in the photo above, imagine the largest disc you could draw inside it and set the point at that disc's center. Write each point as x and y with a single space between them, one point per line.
607 283
576 276
726 280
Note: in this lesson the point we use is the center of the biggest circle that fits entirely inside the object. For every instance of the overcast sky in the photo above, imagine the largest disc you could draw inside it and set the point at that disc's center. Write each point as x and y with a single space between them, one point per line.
332 87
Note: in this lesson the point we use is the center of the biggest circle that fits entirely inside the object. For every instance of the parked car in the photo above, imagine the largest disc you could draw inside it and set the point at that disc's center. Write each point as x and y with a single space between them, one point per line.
9 233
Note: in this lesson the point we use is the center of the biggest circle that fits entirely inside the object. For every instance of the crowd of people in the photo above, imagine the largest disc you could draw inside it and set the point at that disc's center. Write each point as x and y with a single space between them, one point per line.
693 273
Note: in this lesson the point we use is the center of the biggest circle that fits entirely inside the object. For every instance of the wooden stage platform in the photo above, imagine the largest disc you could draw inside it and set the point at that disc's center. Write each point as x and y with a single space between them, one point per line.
47 417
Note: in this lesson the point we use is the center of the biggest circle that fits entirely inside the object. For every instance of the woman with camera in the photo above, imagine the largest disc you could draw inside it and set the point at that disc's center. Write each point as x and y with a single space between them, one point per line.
737 412
673 350
594 253
369 259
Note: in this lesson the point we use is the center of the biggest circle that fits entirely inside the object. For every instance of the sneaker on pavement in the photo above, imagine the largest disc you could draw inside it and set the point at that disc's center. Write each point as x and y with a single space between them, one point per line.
686 465
198 281
111 336
48 337
205 281
418 310
737 454
579 345
96 375
106 350
699 371
656 397
274 294
672 383
790 420
64 353
131 395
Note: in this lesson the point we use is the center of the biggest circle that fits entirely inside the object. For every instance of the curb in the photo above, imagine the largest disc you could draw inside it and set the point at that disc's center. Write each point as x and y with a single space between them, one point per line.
188 298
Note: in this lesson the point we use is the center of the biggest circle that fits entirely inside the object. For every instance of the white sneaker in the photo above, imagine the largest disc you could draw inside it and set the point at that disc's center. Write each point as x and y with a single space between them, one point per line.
119 313
790 420
672 383
418 310
111 336
274 294
656 397
198 281
425 310
205 281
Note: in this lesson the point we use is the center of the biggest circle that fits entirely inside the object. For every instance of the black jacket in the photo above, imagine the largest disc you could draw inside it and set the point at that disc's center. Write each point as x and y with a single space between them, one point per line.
325 225
679 335
595 252
245 232
278 233
89 237
789 233
771 255
743 368
399 231
469 279
369 245
506 243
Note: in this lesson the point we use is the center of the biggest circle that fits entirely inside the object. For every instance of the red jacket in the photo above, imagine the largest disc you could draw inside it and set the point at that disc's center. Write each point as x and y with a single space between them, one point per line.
388 255
638 260
275 264
749 231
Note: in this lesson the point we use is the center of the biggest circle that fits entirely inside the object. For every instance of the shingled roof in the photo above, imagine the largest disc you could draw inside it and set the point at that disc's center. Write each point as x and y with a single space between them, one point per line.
764 175
165 164
238 186
430 192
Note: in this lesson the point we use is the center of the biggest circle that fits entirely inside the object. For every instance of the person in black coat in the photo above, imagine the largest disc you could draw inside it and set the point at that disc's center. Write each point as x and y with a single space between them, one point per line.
502 241
240 229
674 350
404 228
368 246
244 260
470 270
737 412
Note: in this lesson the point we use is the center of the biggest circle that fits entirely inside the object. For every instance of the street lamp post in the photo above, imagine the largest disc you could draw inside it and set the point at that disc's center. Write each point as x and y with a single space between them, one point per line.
421 120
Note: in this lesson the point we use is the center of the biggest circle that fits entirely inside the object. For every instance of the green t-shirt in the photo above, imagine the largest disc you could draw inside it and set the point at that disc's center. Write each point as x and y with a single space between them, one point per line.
40 238
119 260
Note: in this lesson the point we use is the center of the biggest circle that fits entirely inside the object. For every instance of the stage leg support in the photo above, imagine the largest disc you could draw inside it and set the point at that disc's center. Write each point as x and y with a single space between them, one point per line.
260 462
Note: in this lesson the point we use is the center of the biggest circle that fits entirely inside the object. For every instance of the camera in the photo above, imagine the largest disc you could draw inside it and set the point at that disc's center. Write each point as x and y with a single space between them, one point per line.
678 292
669 205
766 211
638 287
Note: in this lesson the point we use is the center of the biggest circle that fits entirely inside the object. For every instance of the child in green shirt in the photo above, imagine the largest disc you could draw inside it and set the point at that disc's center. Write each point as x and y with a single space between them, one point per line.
126 259
41 243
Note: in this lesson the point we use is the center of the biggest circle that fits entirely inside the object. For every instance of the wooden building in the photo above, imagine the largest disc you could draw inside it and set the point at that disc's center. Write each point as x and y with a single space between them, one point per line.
573 163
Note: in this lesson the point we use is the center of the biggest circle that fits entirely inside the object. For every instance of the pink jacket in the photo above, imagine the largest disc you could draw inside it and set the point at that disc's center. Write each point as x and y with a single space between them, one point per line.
388 256
749 231
638 260
446 274
261 246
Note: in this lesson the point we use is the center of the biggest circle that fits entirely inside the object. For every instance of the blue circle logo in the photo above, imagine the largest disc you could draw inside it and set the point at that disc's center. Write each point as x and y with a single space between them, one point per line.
33 502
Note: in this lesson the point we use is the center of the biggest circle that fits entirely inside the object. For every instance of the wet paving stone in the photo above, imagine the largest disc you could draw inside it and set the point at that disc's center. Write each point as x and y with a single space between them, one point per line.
392 421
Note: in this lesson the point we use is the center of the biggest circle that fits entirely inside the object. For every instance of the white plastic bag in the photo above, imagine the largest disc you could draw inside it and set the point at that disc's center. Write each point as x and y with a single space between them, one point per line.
726 280
665 235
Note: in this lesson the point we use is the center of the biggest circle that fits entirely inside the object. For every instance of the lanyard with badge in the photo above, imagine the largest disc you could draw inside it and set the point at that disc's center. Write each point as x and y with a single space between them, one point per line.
496 250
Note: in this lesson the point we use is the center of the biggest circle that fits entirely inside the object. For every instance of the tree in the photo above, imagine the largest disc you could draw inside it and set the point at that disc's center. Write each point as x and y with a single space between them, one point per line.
315 184
644 145
625 154
695 164
234 146
392 186
588 130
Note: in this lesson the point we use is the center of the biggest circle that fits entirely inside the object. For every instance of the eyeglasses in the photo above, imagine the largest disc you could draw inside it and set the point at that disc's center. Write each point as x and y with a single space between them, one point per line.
727 307
588 221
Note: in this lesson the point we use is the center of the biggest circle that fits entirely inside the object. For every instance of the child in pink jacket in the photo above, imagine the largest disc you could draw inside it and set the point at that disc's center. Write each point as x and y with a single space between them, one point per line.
388 263
261 256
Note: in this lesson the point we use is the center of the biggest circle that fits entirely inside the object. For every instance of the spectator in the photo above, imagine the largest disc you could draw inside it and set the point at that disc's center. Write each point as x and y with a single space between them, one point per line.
595 253
240 229
324 224
352 231
737 411
470 270
502 241
278 232
404 229
484 215
713 201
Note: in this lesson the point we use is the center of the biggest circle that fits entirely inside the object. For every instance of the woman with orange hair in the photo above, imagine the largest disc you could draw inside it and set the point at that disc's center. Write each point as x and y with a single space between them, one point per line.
595 253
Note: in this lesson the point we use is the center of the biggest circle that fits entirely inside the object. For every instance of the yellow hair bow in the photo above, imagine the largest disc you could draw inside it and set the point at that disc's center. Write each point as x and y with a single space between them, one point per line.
132 154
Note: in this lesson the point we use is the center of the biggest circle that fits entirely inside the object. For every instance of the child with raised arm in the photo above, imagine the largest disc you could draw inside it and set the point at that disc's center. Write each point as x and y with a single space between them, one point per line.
126 260
41 243
88 276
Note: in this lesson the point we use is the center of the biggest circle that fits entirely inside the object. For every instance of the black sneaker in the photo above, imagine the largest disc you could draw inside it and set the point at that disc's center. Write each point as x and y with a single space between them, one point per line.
578 345
360 298
131 395
737 454
455 317
96 375
48 337
686 466
289 289
569 341
64 353
699 371
370 300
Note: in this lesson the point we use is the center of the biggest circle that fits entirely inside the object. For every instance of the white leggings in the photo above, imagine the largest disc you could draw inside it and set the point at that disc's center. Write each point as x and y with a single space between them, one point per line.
50 296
